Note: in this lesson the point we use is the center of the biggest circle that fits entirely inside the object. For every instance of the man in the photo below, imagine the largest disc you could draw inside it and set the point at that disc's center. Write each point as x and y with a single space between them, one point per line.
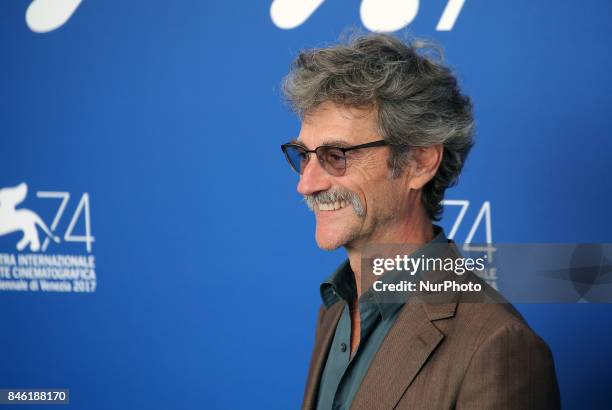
385 130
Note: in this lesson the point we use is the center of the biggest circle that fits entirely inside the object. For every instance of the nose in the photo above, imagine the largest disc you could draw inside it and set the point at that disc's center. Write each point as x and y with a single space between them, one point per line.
314 178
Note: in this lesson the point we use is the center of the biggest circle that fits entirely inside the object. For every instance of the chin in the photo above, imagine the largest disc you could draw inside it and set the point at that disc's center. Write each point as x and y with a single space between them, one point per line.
331 241
334 231
328 246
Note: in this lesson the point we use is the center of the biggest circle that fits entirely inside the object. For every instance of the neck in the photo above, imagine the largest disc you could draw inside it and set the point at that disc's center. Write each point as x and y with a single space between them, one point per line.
414 229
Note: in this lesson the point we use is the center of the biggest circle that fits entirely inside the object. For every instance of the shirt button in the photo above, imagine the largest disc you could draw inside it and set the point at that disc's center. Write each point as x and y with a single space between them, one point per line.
343 347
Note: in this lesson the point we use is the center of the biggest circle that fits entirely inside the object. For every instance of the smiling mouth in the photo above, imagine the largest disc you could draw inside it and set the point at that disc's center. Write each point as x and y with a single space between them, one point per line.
332 206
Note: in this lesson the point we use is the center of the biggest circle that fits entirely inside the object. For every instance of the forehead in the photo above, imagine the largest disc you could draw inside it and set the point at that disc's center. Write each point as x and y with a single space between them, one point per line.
333 124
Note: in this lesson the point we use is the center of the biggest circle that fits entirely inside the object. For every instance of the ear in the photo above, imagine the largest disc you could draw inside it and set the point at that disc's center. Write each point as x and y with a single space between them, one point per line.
426 163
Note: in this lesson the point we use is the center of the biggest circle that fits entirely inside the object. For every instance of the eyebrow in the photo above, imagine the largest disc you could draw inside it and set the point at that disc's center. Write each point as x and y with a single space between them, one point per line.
331 142
336 143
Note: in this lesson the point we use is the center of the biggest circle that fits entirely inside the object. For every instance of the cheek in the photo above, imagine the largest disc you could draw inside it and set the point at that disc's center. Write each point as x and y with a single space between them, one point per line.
384 198
370 181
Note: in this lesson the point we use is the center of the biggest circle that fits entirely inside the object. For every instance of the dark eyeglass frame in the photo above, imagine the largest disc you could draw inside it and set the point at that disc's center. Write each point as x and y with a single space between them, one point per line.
321 153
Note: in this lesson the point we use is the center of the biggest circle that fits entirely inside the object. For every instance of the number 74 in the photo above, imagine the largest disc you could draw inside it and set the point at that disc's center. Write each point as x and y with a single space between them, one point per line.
82 208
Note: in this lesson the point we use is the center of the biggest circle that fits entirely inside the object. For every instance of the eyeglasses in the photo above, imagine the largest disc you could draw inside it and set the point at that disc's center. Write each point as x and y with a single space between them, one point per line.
332 159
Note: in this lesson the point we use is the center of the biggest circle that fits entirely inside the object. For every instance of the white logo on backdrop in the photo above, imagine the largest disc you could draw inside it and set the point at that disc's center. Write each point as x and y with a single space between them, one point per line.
376 15
38 270
24 220
43 16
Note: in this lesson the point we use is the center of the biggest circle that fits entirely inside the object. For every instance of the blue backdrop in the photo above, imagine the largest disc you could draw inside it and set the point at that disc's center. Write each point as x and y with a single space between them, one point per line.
154 127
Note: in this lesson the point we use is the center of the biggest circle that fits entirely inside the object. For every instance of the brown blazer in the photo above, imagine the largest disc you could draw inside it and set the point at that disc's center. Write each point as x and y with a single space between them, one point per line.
456 355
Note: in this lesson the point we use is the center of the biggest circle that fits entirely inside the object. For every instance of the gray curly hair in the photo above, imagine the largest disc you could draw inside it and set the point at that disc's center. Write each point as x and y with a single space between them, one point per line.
417 99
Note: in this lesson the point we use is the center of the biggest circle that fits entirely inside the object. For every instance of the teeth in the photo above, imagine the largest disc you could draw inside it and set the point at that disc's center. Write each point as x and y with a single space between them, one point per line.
332 206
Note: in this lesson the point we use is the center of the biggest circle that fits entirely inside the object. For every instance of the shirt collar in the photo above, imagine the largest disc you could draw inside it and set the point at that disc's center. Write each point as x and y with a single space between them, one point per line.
341 284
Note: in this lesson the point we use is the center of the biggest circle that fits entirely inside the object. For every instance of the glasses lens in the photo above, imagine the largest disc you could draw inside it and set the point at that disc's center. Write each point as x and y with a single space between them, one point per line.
296 156
332 159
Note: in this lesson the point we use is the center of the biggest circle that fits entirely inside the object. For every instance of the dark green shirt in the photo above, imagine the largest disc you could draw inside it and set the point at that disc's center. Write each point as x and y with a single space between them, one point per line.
342 375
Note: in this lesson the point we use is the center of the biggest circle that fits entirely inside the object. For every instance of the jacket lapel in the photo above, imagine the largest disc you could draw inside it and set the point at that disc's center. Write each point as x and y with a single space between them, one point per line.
403 352
327 328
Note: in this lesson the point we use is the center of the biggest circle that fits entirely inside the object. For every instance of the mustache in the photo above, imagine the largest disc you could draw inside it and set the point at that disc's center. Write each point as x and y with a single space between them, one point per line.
331 196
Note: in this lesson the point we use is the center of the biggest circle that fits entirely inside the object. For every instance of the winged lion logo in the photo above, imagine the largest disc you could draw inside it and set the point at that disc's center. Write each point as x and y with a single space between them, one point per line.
24 220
